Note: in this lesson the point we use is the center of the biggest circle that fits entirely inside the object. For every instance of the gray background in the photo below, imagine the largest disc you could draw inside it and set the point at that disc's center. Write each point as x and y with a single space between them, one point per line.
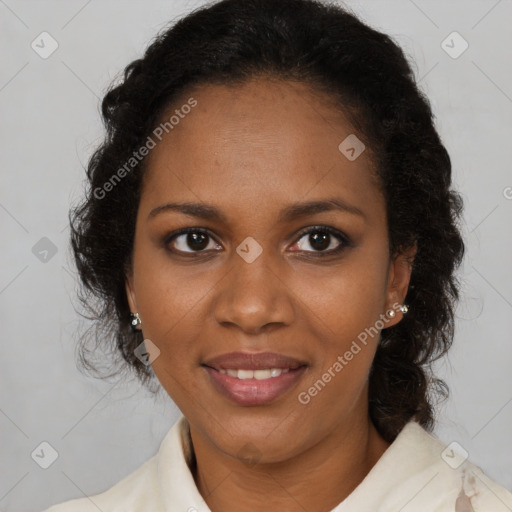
50 124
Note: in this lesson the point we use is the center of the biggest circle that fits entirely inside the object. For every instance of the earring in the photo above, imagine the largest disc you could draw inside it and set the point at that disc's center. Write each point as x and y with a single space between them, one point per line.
135 321
404 308
391 313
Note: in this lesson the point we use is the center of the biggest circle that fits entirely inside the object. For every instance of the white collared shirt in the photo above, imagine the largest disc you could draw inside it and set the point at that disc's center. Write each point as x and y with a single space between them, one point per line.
417 473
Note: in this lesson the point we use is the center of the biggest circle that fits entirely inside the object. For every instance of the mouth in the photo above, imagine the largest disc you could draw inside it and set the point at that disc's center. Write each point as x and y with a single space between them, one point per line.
250 379
264 374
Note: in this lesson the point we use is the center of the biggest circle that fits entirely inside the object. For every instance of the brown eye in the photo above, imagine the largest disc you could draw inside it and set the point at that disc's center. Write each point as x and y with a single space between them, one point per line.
190 240
322 239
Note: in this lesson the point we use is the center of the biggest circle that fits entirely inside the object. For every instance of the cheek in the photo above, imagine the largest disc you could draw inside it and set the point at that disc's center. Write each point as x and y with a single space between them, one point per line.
348 341
169 305
169 301
344 311
347 300
166 292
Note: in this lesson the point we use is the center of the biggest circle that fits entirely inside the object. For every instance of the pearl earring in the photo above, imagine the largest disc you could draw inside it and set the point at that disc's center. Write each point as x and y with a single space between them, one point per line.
135 321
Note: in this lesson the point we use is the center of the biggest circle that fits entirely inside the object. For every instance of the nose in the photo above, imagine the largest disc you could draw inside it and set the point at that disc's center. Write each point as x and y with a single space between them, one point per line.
254 296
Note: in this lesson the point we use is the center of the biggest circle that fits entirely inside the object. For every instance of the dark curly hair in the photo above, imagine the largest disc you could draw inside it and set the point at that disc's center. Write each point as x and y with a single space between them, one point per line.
367 75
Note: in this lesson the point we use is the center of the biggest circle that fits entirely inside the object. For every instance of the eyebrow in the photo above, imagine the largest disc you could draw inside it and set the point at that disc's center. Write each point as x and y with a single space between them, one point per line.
290 212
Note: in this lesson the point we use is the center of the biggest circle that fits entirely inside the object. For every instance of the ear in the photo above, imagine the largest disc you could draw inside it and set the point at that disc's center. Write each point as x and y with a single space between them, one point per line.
399 276
130 292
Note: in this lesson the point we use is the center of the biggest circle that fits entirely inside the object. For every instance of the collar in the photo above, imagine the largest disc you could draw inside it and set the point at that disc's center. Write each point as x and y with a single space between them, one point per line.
412 475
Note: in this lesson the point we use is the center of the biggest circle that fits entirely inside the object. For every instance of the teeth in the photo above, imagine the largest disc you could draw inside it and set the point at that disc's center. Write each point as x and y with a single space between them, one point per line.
245 374
266 373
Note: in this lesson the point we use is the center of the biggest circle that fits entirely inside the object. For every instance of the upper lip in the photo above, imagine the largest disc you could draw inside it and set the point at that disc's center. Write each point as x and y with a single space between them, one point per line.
253 361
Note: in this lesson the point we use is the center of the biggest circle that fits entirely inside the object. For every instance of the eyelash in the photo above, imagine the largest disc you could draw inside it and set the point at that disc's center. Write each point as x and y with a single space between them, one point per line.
344 239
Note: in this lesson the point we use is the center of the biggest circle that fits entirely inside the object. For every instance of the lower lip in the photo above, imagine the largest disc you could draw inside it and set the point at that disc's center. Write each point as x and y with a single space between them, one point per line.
254 391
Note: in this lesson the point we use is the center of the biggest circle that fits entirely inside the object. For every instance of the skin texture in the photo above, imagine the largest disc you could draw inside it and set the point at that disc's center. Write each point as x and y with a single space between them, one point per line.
251 150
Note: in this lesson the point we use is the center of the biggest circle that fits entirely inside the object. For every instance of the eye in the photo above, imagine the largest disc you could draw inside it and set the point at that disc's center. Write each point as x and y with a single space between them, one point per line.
322 240
196 239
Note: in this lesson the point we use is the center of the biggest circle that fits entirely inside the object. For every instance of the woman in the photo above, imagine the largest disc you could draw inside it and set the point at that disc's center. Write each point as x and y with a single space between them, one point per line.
271 228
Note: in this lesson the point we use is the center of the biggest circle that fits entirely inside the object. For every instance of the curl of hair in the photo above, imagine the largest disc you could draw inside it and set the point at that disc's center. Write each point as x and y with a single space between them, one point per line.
367 75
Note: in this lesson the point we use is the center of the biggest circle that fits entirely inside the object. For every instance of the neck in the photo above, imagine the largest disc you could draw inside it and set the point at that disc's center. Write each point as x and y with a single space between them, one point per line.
335 467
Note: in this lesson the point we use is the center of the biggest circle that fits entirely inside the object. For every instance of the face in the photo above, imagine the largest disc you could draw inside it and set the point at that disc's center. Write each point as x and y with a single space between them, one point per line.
287 253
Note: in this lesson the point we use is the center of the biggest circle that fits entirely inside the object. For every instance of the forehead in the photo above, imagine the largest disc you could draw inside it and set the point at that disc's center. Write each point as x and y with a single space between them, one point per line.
266 139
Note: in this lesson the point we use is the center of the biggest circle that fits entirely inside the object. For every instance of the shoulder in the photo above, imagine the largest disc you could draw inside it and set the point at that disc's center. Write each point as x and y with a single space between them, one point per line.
161 483
140 489
441 479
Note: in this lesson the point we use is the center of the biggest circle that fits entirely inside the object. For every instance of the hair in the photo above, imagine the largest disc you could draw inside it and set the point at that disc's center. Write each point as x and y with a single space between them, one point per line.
367 76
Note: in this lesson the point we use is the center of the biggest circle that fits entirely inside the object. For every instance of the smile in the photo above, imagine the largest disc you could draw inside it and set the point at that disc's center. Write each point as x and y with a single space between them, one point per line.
267 373
254 387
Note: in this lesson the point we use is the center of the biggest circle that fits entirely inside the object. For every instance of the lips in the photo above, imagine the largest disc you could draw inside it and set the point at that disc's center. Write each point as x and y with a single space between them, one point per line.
253 361
254 378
